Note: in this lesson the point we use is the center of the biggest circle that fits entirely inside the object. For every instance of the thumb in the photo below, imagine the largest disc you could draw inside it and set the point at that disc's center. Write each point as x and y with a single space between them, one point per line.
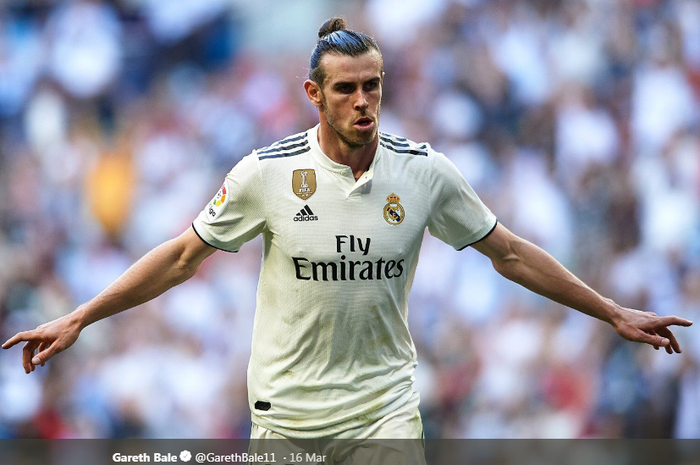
654 340
44 356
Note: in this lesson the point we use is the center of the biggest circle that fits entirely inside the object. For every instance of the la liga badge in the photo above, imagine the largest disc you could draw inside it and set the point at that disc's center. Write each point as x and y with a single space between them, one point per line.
216 204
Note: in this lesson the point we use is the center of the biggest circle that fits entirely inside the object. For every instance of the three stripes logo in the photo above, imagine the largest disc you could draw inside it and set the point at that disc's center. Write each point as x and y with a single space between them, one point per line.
305 214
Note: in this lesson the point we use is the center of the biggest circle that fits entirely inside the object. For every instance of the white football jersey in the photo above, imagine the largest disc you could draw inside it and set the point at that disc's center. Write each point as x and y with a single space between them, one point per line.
331 348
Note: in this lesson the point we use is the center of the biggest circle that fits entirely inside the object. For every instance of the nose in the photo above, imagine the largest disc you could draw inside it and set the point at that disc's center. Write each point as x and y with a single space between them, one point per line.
361 101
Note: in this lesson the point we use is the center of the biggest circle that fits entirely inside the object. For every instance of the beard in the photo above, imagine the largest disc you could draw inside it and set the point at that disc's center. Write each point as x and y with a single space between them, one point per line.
349 136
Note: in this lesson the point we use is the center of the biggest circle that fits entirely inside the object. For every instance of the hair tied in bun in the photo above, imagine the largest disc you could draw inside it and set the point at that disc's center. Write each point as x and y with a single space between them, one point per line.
330 26
349 43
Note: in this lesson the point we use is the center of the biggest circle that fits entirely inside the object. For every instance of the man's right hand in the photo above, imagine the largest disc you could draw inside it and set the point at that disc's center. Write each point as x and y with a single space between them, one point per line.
168 265
46 340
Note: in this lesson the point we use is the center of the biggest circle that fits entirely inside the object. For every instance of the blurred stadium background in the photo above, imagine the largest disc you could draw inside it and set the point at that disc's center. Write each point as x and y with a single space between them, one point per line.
577 122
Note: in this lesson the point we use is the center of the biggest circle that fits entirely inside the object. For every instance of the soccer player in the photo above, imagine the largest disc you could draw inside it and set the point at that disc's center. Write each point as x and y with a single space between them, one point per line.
342 209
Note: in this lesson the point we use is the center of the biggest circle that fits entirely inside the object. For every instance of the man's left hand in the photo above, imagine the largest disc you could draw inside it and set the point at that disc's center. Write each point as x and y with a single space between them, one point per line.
648 327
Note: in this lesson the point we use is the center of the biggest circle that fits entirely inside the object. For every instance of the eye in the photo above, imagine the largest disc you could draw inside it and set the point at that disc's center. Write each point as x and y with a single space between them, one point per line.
372 85
345 88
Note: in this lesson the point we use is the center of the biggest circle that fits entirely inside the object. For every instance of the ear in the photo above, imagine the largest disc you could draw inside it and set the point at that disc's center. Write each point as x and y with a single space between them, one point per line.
313 92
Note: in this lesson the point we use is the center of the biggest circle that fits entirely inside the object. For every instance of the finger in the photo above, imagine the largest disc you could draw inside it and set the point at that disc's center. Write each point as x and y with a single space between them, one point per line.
656 340
667 348
19 337
671 320
43 357
653 333
42 347
667 333
27 354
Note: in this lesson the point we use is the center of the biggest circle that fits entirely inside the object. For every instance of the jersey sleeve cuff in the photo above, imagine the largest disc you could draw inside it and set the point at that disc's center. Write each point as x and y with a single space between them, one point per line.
209 240
482 237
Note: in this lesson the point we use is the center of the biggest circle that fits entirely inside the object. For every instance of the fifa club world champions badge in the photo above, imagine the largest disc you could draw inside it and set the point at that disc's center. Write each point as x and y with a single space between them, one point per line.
304 183
393 211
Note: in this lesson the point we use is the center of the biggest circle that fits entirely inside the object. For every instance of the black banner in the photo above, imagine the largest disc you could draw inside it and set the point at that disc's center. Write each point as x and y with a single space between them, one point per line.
368 452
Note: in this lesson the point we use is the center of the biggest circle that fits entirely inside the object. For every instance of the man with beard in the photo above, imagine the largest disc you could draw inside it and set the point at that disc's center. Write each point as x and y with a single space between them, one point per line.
342 209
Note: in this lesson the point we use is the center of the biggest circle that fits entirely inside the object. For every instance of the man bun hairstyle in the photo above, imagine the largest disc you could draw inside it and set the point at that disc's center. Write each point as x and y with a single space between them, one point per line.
332 25
334 37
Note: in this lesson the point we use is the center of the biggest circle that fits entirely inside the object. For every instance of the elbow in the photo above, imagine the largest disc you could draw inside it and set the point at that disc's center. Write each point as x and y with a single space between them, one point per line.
510 265
507 268
185 266
184 270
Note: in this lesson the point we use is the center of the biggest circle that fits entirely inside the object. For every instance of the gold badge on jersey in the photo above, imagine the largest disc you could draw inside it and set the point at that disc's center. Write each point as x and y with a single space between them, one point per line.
304 183
393 211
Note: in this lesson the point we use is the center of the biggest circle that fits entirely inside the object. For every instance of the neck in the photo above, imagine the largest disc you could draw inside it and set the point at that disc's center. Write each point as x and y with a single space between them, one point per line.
357 157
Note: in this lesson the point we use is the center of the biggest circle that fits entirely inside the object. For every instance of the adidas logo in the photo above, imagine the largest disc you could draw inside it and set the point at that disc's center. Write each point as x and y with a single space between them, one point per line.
305 214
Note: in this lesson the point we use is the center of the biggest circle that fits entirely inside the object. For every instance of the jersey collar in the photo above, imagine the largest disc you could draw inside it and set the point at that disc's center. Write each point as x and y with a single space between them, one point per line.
325 162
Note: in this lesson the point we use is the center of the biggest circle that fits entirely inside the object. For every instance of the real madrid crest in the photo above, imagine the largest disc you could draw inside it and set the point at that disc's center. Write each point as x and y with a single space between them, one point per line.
304 183
393 211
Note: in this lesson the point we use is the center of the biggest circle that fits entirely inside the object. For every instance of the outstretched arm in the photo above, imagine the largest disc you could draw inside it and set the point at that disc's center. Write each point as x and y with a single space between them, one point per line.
528 265
168 265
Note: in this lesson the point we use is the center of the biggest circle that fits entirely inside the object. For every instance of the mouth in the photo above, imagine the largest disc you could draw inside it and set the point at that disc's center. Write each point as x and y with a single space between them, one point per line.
364 123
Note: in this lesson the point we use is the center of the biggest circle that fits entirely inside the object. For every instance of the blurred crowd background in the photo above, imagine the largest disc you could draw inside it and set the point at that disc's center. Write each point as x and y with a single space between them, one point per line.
577 122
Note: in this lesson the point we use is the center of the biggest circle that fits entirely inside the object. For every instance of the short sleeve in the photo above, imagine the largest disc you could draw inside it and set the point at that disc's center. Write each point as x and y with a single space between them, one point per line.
236 214
457 216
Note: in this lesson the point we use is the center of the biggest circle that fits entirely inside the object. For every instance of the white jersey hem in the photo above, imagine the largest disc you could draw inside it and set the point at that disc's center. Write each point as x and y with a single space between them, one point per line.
312 431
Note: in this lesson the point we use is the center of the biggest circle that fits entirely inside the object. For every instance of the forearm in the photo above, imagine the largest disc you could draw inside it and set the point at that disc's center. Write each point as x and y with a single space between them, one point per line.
162 268
533 268
156 272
